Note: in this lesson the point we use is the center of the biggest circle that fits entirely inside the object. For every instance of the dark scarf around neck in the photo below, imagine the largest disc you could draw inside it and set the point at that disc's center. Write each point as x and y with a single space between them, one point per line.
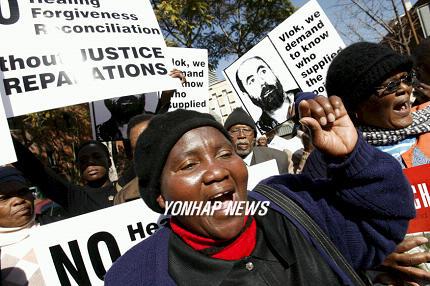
380 136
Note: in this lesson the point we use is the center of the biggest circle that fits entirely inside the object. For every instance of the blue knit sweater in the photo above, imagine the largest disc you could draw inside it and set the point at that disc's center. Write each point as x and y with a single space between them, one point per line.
363 203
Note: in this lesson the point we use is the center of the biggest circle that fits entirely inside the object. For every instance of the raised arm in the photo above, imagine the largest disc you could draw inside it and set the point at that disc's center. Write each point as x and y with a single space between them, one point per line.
363 201
51 184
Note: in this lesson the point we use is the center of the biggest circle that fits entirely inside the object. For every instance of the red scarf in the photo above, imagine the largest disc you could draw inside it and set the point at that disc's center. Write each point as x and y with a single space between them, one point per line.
238 248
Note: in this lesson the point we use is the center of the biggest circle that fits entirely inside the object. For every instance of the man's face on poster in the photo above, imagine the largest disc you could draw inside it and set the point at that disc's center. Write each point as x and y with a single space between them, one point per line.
261 84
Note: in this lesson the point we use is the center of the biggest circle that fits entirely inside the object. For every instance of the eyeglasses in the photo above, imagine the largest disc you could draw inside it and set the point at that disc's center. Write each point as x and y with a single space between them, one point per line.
245 131
394 85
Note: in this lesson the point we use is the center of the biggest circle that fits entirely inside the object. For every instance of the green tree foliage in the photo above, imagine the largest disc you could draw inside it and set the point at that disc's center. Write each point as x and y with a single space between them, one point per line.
184 22
226 28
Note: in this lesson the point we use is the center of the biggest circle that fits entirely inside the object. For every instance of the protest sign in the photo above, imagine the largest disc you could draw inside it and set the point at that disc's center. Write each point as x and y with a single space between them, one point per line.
307 42
270 105
194 94
302 47
7 155
419 177
110 117
281 144
79 250
81 51
261 171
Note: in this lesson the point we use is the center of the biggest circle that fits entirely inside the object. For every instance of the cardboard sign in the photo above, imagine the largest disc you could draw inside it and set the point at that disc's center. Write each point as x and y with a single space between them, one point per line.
59 53
194 94
79 250
419 177
263 65
281 144
7 155
308 42
300 50
261 171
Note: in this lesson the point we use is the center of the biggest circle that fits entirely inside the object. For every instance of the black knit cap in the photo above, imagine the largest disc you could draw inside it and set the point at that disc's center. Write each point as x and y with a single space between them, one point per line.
102 147
11 179
358 69
154 144
239 116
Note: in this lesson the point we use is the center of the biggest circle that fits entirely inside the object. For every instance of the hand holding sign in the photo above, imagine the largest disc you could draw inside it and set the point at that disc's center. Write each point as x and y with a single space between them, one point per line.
191 67
175 73
331 128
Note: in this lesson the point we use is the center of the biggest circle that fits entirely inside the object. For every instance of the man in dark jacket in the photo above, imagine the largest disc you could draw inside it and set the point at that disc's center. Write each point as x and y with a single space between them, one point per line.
243 132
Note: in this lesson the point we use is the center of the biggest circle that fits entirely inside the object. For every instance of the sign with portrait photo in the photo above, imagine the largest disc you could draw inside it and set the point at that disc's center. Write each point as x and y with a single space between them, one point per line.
301 49
264 85
110 117
60 53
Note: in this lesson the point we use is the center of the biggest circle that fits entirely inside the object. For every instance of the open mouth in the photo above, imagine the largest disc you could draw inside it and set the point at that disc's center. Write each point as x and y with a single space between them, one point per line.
403 108
225 198
92 171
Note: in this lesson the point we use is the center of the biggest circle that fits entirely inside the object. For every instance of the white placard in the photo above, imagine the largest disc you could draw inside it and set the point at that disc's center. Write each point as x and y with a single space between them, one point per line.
7 155
58 53
194 94
262 56
308 42
79 250
281 144
296 54
261 171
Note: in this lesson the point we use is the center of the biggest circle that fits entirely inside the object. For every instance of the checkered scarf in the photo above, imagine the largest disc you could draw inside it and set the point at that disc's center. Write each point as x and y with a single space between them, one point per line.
380 136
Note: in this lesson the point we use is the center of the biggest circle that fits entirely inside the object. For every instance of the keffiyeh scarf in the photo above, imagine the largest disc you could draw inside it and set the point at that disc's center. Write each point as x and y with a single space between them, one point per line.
380 136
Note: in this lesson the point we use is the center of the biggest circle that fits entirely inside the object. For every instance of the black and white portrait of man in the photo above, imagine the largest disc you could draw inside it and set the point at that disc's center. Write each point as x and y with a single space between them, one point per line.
264 85
256 79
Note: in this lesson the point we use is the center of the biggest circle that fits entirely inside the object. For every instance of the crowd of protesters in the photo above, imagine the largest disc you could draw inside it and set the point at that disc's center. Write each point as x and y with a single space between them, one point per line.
347 178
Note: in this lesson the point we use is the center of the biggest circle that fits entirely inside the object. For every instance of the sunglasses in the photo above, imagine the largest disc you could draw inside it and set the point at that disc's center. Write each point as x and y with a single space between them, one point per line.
394 85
